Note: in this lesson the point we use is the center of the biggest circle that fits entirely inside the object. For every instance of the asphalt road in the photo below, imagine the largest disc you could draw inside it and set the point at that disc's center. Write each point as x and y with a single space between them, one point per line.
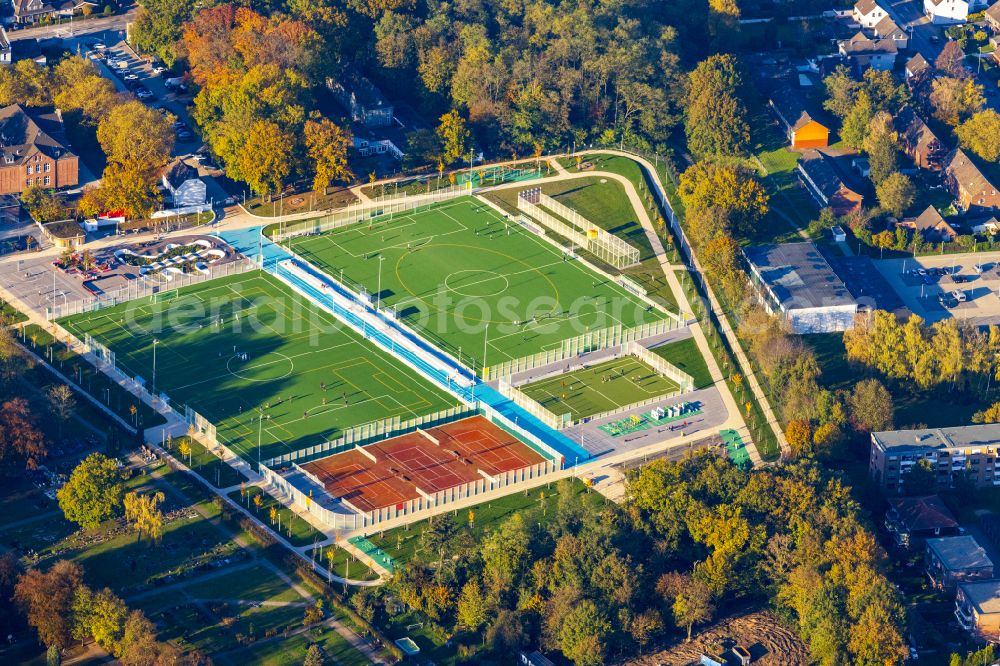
90 26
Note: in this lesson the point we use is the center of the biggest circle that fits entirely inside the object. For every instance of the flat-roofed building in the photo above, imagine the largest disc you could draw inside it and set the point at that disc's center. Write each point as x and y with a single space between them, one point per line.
956 559
969 451
977 609
797 282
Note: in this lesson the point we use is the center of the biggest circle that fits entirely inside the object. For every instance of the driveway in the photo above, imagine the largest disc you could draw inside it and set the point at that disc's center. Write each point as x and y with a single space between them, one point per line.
909 15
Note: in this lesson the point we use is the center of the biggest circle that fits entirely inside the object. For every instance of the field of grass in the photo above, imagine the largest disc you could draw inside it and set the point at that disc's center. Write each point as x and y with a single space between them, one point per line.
345 564
460 273
89 378
600 388
206 464
293 650
293 349
294 528
685 355
10 315
403 543
256 583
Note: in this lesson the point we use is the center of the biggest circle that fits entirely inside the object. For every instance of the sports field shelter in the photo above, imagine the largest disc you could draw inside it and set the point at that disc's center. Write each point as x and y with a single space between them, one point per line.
271 370
474 281
426 468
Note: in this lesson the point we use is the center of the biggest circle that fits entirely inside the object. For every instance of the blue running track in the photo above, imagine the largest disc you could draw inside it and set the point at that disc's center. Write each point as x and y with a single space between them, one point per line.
251 243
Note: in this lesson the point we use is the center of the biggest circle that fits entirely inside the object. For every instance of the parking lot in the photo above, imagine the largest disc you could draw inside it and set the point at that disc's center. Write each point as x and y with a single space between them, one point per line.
966 286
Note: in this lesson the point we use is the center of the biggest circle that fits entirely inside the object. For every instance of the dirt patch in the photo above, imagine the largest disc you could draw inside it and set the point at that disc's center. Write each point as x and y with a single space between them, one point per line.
767 639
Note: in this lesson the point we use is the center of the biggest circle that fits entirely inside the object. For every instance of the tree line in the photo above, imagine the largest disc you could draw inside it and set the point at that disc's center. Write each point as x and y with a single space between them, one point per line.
695 539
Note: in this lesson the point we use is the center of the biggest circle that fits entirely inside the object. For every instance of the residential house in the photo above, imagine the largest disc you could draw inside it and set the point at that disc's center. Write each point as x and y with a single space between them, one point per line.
184 186
972 189
365 102
944 12
913 520
931 226
918 141
916 68
820 176
33 11
956 559
34 150
977 609
864 53
887 29
992 16
968 452
801 127
868 13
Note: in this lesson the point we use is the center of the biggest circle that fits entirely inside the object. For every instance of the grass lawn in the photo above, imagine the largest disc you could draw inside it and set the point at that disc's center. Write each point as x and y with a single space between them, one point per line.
10 315
459 273
292 346
685 355
21 500
89 378
257 583
600 388
206 464
293 651
294 528
345 564
403 543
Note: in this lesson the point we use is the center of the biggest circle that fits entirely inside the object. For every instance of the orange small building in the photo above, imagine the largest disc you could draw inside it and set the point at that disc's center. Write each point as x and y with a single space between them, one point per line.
803 130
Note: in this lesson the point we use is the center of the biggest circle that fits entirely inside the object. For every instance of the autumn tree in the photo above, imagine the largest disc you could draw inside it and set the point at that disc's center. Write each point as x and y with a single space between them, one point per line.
856 123
21 441
881 147
896 193
43 204
583 634
716 116
80 86
62 404
264 161
135 134
159 25
47 601
954 100
327 145
799 436
100 616
689 599
93 492
981 134
314 656
453 135
951 61
142 512
472 606
871 406
989 415
734 190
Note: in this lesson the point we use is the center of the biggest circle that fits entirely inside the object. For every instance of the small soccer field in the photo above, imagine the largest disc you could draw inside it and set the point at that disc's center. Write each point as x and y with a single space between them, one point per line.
600 388
246 345
473 281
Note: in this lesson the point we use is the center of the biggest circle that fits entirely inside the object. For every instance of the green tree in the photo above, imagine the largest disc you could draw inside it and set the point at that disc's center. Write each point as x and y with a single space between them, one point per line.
505 554
841 92
856 123
314 656
981 134
99 615
871 406
454 135
583 633
159 25
43 204
716 116
472 606
880 145
896 194
921 479
93 492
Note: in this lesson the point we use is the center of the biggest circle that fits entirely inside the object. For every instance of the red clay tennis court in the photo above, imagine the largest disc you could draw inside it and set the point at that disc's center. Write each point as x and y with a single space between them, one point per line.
421 463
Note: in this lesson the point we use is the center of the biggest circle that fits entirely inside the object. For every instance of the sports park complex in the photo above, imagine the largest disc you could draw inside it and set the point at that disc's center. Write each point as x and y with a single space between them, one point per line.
355 365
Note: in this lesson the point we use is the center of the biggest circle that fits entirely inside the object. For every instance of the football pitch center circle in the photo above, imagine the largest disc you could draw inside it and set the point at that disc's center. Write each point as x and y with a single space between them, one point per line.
267 368
459 256
476 282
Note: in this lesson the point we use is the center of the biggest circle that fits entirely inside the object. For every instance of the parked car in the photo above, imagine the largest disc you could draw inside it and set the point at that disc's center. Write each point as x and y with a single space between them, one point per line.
980 268
144 93
159 69
131 77
97 45
959 296
184 135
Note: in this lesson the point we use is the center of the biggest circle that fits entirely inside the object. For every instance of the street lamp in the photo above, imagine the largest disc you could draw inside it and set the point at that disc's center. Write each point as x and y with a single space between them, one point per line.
378 296
260 423
154 366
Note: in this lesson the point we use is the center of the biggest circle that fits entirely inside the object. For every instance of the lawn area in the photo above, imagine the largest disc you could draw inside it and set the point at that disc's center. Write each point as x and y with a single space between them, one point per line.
600 388
89 378
466 277
206 464
685 355
257 583
294 528
345 564
293 651
246 348
9 315
403 543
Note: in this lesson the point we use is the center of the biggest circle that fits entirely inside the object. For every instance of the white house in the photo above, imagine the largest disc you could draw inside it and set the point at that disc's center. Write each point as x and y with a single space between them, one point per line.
868 13
184 186
943 12
864 52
